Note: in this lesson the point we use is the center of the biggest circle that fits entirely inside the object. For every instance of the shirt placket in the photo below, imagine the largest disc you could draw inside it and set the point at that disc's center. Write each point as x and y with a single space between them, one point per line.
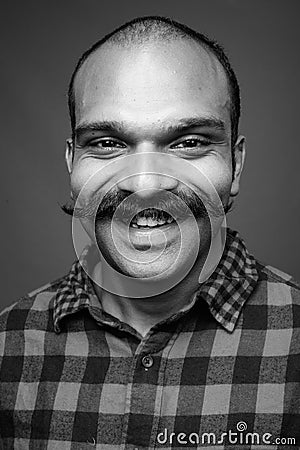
144 391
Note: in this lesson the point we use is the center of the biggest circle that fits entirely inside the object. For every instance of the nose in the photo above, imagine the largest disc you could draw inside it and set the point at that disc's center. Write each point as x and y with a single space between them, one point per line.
147 172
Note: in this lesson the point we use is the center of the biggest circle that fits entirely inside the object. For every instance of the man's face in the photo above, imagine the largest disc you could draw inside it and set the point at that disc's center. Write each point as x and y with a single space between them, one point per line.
163 99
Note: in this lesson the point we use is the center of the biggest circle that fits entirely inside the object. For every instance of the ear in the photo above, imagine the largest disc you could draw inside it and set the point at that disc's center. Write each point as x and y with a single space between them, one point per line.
69 154
239 153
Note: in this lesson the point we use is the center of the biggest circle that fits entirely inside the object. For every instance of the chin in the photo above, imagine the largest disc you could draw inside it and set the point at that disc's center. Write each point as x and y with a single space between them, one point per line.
160 272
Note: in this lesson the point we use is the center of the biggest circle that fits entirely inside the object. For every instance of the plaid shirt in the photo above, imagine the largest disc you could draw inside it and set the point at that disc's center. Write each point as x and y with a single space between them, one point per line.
74 377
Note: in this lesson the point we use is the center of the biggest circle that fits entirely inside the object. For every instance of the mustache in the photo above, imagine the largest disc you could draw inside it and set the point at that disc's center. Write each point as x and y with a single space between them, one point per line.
123 205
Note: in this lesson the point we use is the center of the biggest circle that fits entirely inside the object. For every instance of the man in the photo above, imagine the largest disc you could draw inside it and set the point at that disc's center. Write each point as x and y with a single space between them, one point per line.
166 333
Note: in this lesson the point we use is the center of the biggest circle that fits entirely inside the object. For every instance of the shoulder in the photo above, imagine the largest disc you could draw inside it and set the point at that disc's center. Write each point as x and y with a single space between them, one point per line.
32 310
276 294
277 281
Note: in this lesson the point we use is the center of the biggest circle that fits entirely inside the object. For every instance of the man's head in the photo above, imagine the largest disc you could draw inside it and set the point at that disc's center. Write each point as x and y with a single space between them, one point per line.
153 90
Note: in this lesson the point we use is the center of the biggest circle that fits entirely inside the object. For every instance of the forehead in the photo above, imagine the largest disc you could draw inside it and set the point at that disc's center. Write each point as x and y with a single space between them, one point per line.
154 82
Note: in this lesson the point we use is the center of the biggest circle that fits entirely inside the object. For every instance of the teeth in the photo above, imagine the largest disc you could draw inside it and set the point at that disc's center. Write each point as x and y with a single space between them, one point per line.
150 218
142 221
150 222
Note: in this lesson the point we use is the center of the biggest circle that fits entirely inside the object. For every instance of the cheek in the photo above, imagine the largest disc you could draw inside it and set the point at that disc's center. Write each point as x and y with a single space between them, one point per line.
77 181
222 183
82 173
219 173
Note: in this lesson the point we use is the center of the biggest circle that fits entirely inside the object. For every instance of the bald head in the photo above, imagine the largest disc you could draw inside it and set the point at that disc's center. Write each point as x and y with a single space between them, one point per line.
143 31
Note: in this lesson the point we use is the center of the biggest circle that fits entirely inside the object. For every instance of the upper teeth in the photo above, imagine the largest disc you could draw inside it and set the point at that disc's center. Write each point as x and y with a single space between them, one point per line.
150 221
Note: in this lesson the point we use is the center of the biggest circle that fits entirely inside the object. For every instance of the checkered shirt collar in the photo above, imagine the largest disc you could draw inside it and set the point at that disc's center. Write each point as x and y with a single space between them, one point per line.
225 292
231 284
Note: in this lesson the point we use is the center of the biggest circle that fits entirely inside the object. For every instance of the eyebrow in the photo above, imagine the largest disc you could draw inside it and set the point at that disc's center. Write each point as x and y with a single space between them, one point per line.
180 126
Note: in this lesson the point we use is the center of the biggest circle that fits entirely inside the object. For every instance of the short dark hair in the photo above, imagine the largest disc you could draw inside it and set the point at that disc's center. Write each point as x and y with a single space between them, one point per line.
151 28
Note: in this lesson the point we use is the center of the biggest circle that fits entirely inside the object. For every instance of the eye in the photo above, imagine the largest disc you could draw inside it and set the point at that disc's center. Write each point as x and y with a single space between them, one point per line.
106 143
192 143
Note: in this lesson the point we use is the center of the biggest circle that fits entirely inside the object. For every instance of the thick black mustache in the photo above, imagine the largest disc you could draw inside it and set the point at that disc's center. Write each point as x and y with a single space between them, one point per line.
116 203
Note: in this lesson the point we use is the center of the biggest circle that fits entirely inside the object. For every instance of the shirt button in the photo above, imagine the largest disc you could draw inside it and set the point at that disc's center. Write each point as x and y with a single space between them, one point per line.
147 361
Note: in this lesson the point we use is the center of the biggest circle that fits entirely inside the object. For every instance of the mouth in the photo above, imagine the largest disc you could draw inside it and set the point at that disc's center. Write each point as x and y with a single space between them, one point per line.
150 229
151 218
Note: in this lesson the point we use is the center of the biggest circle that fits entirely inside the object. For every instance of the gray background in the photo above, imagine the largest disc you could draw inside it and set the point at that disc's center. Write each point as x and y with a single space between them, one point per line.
40 44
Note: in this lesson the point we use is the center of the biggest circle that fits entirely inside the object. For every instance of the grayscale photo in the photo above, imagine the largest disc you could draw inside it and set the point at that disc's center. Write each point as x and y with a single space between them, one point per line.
150 221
